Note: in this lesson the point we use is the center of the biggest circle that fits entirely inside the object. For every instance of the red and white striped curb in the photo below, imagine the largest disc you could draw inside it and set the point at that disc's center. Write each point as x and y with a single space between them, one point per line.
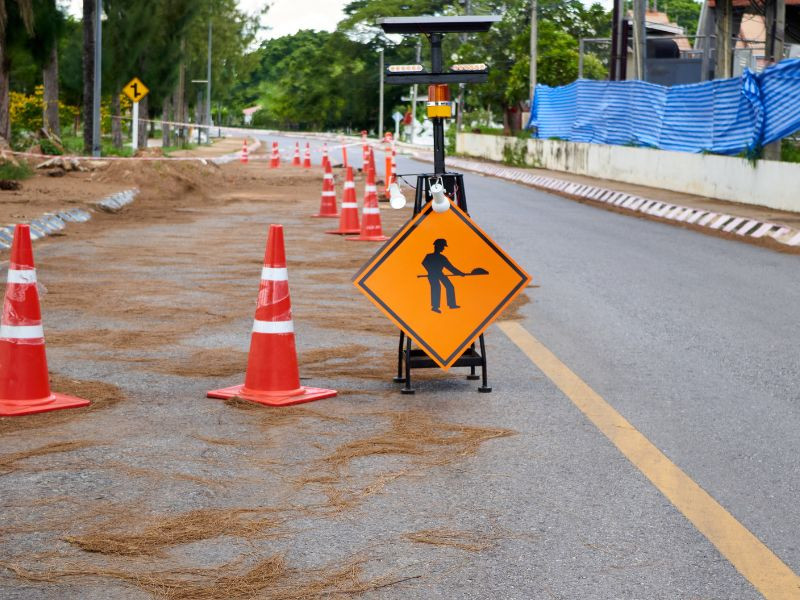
674 212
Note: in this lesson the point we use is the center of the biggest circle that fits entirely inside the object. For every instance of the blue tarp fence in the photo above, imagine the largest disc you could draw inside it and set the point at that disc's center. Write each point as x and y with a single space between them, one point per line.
725 116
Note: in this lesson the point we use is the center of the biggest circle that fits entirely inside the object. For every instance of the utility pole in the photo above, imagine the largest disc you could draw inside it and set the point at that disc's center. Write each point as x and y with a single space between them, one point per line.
640 38
98 55
775 25
414 96
208 85
380 108
534 43
724 14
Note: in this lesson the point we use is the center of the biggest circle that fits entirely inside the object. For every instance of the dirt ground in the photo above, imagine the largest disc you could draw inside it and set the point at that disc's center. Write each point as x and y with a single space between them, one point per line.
42 193
154 491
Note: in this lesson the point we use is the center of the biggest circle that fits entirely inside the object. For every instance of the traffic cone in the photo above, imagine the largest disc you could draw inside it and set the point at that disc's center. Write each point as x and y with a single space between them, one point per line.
371 229
348 218
364 146
275 159
307 158
24 383
371 160
390 180
344 157
387 180
324 153
296 157
244 152
272 376
327 204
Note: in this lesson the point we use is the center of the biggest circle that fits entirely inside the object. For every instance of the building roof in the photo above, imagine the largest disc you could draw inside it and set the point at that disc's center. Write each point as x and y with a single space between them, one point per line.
658 23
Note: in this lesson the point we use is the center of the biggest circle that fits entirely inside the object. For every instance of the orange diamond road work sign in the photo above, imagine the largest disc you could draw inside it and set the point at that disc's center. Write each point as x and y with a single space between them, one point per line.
441 280
135 90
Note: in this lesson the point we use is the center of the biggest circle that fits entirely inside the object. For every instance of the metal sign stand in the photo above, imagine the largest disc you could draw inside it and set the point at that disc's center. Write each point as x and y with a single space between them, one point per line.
434 28
414 358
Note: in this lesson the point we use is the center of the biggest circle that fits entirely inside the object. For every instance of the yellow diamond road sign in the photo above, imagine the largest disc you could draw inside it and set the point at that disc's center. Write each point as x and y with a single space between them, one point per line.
135 90
443 281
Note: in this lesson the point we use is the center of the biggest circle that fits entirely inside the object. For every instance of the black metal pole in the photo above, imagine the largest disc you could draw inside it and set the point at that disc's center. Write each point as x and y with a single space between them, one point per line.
438 123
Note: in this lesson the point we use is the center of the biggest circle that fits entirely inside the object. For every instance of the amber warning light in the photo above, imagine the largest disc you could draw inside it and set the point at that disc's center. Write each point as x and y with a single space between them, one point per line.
439 101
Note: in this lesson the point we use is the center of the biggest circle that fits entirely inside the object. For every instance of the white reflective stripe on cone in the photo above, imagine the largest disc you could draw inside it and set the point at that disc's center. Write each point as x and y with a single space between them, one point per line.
349 185
349 205
272 326
328 176
371 211
274 274
328 193
22 276
21 332
371 188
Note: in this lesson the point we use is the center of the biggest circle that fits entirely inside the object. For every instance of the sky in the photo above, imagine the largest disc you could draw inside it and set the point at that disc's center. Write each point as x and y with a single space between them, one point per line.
284 18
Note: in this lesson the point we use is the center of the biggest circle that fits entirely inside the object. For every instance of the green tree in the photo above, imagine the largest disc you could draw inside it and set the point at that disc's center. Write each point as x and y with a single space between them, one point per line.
685 13
16 27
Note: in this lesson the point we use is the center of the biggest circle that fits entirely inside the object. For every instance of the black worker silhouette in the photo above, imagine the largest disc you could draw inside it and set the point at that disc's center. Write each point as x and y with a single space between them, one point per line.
435 263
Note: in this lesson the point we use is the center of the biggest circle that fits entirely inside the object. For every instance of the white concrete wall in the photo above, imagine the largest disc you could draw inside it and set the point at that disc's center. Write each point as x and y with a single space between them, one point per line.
767 183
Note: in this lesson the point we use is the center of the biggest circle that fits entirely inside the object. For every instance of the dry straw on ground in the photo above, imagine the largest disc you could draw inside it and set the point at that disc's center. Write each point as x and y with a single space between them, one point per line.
102 395
463 540
184 528
269 578
419 436
8 462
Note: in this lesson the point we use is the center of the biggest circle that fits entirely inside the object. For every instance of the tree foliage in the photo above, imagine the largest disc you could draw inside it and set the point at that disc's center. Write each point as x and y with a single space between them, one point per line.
310 79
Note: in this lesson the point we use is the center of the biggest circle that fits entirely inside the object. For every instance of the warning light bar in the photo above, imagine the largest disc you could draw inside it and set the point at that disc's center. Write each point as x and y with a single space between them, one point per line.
469 67
405 69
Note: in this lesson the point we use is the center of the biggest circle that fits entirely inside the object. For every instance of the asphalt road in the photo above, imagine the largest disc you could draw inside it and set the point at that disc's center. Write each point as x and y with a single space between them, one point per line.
695 340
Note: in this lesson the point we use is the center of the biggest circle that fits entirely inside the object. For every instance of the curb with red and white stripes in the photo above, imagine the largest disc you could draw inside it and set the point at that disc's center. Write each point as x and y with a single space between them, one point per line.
718 221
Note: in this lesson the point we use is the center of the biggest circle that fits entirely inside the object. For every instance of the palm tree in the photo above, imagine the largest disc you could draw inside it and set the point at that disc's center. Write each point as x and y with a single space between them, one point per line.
19 10
44 47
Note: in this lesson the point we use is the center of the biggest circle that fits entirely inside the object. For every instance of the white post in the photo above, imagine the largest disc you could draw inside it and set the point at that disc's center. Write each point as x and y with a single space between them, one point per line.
135 128
397 129
380 93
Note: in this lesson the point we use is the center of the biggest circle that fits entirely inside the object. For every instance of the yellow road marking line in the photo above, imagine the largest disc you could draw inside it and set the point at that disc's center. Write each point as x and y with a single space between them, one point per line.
759 565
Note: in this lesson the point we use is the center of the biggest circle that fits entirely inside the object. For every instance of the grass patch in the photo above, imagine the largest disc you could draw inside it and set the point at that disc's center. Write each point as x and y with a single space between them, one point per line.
74 145
168 149
12 172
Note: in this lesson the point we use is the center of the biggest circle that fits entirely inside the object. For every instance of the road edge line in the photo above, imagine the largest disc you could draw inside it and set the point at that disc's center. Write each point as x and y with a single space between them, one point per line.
748 555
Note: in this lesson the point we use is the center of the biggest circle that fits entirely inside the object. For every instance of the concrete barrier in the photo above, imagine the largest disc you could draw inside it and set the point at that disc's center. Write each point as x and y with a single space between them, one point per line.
764 183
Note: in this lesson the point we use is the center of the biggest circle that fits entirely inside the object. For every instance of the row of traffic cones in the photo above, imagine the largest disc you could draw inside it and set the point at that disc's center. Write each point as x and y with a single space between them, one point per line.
370 228
272 377
275 157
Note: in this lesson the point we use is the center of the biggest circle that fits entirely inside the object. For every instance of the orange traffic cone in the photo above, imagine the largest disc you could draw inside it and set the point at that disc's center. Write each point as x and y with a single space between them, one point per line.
24 383
275 159
244 152
348 218
387 180
307 158
370 160
272 376
364 146
344 157
324 153
371 229
327 204
296 157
